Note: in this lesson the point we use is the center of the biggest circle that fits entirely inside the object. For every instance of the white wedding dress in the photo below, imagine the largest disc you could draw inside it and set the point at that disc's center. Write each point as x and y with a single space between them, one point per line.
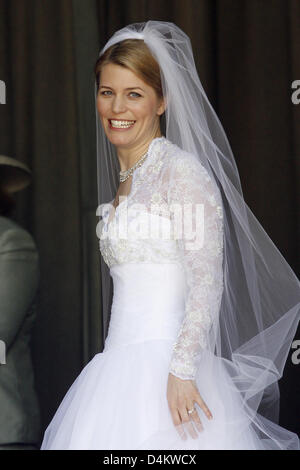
165 307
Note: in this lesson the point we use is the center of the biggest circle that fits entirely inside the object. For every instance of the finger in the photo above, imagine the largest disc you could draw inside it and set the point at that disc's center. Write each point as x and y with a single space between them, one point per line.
196 419
181 432
177 423
188 425
204 407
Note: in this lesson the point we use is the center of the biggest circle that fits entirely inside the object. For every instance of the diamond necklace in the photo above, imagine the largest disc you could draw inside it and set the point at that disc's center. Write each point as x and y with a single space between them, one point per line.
126 173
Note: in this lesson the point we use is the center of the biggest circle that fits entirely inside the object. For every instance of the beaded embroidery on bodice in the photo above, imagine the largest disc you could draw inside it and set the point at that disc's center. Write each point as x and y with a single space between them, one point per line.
139 210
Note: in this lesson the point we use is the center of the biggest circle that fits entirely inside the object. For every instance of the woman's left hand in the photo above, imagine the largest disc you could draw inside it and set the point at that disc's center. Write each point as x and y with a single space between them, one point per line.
181 395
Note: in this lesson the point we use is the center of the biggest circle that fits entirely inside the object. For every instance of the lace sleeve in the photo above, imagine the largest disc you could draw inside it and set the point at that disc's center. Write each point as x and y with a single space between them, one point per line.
201 253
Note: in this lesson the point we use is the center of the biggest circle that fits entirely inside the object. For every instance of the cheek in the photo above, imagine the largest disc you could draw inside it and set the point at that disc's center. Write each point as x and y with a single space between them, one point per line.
145 112
101 107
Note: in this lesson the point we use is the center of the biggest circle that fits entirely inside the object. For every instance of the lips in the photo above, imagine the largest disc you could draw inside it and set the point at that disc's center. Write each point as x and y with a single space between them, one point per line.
122 120
128 125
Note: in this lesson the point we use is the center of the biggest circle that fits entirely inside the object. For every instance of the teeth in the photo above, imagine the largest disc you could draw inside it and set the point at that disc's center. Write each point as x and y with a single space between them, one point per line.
121 123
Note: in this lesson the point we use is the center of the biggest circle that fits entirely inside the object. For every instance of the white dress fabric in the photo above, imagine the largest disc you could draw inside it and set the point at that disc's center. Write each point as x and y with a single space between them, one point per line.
166 300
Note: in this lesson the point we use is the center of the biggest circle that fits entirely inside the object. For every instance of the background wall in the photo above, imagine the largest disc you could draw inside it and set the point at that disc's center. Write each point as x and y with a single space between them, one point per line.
247 54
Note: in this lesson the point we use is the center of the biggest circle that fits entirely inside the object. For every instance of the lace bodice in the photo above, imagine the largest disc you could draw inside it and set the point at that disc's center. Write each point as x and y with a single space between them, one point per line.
170 190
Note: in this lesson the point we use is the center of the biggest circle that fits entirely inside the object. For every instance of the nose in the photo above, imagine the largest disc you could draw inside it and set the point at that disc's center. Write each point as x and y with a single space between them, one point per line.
118 104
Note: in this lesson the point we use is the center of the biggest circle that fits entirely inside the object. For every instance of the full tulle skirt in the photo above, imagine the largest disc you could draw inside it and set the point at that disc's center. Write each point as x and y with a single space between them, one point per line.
119 401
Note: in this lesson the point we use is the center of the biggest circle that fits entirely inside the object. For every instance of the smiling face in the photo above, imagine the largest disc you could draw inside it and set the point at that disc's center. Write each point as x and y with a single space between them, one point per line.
125 98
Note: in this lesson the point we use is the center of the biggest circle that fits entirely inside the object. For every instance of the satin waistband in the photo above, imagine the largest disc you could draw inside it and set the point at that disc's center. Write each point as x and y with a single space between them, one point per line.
148 302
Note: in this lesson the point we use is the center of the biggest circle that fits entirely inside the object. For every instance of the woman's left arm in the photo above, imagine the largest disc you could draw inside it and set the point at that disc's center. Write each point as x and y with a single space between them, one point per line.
202 255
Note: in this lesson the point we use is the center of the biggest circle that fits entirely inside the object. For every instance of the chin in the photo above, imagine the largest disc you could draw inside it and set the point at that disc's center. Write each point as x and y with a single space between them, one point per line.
118 139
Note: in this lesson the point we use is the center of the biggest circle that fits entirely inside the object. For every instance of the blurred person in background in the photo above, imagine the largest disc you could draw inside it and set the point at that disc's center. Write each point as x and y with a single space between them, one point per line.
19 279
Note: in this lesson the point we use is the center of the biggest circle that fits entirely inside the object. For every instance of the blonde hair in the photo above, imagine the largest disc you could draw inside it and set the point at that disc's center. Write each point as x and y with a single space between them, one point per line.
134 55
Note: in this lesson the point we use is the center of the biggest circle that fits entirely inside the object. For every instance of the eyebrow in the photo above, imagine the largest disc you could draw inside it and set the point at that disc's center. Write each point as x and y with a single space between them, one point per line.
130 88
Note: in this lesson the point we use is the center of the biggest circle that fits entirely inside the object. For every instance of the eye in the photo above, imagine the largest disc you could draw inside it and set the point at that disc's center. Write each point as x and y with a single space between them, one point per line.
134 93
137 95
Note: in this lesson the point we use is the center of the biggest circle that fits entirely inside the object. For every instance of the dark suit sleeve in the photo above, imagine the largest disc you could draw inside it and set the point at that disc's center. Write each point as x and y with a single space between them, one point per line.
19 277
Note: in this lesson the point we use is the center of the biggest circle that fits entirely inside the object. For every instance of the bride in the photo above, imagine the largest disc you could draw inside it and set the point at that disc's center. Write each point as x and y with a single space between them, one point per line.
204 307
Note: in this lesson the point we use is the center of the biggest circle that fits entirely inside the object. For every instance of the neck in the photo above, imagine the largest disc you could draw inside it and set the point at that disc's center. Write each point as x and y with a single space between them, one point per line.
128 157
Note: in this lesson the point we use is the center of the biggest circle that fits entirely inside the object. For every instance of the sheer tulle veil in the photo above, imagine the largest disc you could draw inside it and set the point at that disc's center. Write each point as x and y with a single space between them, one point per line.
260 306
